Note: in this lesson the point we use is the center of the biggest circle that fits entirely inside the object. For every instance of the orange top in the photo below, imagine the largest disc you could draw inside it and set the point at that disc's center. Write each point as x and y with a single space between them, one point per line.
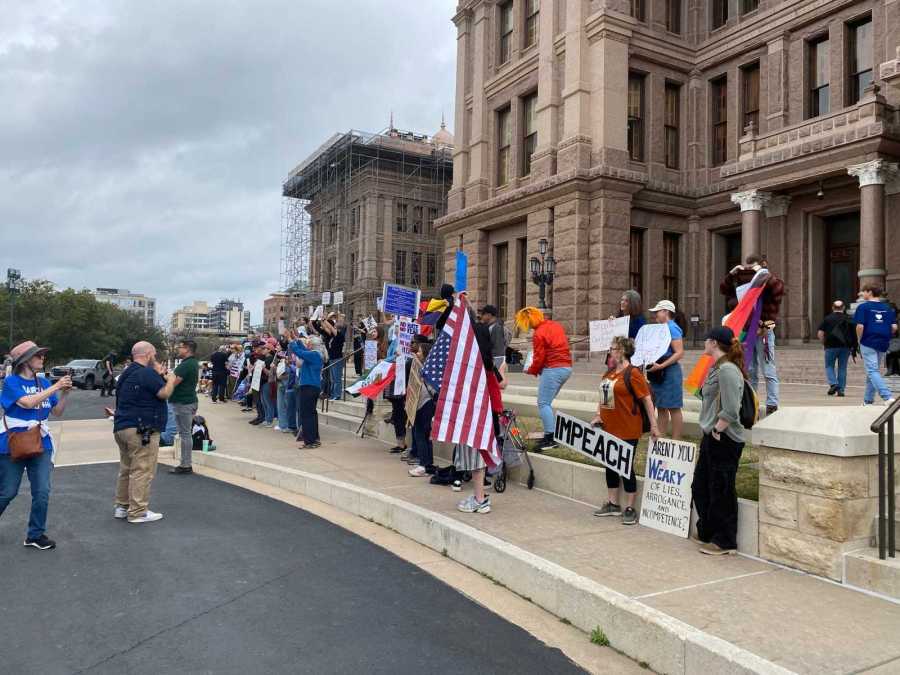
621 414
551 348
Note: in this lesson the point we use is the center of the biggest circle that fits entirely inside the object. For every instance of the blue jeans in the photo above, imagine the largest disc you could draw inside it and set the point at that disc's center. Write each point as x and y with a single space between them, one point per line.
39 476
840 355
337 380
764 360
287 407
268 403
872 360
550 382
167 437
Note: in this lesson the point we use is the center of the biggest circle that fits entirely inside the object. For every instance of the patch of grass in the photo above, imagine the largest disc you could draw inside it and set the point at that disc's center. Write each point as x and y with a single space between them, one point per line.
598 637
747 480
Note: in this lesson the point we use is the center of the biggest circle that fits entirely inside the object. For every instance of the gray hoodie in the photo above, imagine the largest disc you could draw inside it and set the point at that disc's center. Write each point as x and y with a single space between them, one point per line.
722 394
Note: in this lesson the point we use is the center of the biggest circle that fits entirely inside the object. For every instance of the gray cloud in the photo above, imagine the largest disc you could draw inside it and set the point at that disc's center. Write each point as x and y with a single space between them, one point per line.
144 144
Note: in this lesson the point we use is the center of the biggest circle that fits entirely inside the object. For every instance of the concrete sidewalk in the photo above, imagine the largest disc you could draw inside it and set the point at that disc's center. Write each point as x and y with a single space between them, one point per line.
801 623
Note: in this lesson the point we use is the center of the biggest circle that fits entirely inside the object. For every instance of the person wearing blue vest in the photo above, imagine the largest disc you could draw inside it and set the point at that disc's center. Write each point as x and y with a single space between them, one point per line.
310 378
876 324
27 401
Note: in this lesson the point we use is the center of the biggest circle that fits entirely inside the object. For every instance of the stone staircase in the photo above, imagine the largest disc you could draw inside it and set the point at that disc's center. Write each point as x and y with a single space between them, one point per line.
864 569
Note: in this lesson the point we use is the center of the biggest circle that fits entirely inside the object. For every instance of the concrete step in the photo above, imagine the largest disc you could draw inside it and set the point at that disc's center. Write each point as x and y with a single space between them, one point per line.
896 530
864 569
340 420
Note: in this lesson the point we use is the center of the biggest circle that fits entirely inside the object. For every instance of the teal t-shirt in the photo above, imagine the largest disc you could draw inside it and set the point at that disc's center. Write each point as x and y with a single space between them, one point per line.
186 390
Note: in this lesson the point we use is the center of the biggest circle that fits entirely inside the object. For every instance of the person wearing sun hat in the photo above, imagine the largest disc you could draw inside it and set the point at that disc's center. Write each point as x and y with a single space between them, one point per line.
665 375
27 401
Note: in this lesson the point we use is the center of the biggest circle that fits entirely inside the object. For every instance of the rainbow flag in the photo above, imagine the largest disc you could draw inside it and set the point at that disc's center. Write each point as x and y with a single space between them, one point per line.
736 322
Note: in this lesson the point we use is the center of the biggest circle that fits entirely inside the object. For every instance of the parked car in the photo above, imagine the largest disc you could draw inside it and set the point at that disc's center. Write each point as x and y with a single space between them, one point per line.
86 373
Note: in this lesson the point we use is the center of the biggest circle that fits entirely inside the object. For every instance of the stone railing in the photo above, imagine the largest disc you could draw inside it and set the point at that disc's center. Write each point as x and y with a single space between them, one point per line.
871 117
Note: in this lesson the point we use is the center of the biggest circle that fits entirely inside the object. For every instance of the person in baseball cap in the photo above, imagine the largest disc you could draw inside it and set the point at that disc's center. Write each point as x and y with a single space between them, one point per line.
27 400
665 375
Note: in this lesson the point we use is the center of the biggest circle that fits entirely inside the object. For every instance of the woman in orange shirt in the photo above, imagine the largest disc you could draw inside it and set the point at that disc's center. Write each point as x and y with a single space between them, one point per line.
622 390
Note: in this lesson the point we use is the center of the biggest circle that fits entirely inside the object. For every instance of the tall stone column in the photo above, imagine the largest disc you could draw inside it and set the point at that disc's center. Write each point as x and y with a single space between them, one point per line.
694 264
543 163
456 198
751 203
574 150
572 251
479 144
872 178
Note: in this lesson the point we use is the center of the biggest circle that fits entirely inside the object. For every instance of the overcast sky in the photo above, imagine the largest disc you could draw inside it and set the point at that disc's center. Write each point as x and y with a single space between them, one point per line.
143 144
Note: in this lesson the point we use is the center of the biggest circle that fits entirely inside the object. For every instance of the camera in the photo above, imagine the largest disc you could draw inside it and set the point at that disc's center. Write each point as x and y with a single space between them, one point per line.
145 433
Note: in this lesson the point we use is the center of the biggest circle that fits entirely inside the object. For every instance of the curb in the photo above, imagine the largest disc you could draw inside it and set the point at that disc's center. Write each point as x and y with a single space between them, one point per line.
643 633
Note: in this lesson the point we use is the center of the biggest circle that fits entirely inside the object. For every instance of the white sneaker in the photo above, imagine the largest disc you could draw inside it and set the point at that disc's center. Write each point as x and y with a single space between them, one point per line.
417 471
148 517
276 428
120 513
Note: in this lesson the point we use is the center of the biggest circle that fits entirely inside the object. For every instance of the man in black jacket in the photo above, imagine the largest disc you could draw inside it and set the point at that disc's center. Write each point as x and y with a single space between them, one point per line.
838 335
219 362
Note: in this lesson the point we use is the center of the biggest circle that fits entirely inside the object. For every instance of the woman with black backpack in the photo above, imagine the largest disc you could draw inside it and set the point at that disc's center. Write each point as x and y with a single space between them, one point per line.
624 401
714 490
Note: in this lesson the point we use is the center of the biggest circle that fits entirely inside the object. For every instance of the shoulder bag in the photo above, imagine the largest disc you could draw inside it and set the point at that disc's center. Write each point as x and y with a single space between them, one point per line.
23 445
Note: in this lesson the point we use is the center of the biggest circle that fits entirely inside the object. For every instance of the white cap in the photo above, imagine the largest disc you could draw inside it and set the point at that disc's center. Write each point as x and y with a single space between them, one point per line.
664 304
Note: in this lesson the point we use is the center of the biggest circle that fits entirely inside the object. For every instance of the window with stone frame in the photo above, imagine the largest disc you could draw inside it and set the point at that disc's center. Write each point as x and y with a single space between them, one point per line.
749 6
819 76
399 266
417 220
719 119
636 260
636 116
529 129
506 32
673 125
402 217
501 278
504 145
638 10
329 273
332 229
430 270
532 15
859 58
432 216
673 16
352 268
750 97
671 244
718 13
415 269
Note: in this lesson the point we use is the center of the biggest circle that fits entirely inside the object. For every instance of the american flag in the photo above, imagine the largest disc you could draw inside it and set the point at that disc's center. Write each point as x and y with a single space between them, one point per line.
463 411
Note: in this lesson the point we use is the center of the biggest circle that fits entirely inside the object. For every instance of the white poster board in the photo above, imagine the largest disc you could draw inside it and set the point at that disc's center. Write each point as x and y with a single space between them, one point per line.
602 332
257 375
318 314
529 357
281 326
652 341
370 324
338 298
370 355
326 298
666 500
408 329
400 375
602 447
310 311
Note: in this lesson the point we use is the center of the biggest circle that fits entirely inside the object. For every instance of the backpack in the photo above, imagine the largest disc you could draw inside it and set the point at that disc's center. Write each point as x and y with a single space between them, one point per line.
749 414
645 419
838 332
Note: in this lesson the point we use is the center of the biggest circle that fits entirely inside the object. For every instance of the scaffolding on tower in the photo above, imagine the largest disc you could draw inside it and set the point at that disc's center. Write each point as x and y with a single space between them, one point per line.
295 244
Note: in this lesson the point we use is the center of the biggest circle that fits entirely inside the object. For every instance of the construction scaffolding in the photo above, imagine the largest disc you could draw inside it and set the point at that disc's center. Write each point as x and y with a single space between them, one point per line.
334 183
295 244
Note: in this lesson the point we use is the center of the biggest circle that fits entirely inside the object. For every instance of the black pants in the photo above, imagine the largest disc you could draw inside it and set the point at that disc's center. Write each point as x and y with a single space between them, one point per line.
421 433
260 406
107 384
358 363
309 418
218 386
398 417
714 492
612 478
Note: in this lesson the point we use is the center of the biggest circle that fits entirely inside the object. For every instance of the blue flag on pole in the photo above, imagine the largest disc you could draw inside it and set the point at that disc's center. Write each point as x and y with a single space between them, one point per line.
462 272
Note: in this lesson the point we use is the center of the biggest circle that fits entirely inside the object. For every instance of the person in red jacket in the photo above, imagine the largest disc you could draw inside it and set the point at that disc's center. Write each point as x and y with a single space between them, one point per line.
551 363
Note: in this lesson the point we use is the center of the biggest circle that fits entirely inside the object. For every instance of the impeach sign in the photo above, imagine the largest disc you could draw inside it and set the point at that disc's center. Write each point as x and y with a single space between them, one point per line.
599 445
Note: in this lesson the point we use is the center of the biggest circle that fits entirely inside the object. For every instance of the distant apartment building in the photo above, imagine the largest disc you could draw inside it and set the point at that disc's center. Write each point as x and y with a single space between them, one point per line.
373 200
137 303
283 307
227 317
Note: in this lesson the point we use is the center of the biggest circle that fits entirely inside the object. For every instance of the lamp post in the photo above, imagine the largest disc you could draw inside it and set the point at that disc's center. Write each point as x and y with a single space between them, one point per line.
13 280
542 272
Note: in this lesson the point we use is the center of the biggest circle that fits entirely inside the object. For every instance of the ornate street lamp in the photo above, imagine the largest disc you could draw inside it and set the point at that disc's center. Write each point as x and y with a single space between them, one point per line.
542 272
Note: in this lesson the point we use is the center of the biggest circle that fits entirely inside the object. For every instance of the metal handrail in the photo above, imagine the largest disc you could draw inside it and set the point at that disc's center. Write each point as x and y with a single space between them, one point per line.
887 516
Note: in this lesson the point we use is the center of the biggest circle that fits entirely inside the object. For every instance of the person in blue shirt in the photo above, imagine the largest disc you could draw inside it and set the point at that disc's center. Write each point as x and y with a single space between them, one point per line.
665 375
310 378
876 323
630 305
28 400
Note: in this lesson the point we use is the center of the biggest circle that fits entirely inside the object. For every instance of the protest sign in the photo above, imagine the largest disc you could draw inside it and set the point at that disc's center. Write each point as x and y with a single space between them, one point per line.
318 314
257 375
529 357
370 324
400 375
666 500
326 298
310 311
407 329
281 326
652 341
401 301
338 298
370 355
379 303
602 332
594 442
462 272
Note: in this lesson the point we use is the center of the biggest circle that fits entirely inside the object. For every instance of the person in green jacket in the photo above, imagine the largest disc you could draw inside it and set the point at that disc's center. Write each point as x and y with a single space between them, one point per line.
184 402
714 490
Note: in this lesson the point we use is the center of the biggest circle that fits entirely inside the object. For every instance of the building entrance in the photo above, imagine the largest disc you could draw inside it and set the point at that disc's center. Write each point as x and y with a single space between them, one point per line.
841 258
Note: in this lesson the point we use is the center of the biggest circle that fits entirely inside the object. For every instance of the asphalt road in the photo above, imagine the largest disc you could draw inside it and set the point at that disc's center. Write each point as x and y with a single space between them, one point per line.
86 405
231 582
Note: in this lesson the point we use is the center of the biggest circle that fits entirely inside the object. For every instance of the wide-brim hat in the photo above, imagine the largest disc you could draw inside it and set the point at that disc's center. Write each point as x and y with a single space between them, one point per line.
25 351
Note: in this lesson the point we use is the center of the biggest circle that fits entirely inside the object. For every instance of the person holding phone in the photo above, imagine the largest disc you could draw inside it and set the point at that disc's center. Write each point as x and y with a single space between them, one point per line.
310 379
623 391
